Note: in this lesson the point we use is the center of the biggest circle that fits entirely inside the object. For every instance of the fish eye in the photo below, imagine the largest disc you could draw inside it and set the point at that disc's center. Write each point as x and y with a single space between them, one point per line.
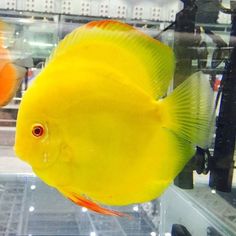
38 130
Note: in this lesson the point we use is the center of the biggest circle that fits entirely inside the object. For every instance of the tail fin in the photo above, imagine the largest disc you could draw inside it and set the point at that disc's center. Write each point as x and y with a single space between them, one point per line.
188 111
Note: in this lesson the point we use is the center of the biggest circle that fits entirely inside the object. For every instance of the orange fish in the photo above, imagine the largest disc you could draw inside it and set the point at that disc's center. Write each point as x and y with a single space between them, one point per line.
10 74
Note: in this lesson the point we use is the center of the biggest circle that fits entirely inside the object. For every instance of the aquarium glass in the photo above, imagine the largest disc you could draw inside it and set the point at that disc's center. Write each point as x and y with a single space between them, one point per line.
202 199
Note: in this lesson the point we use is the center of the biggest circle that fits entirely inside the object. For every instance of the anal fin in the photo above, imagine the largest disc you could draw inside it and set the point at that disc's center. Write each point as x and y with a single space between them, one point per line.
84 202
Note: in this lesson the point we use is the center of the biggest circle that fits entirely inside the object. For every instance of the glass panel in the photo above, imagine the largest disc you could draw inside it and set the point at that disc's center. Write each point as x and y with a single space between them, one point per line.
202 199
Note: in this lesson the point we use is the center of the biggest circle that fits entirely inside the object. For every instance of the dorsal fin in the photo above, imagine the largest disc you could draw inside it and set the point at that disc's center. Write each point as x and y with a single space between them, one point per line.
109 25
75 36
146 62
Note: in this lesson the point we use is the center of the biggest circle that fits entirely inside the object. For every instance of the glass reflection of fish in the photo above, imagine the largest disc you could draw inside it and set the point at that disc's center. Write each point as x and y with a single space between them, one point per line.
94 124
10 74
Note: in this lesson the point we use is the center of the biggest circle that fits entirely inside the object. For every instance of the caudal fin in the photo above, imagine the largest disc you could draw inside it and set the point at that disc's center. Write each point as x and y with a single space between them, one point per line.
188 111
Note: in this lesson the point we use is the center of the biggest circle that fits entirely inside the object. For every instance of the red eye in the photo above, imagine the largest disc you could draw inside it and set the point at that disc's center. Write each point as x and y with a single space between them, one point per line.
38 130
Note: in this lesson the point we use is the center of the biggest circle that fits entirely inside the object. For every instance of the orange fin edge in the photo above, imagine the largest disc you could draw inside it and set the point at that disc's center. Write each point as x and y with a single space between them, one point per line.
109 24
84 202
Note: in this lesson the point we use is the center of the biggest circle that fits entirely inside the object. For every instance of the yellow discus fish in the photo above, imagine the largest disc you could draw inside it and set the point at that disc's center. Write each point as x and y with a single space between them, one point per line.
95 126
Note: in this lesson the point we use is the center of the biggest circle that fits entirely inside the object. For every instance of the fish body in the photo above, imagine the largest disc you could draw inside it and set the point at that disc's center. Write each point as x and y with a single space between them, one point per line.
94 124
10 74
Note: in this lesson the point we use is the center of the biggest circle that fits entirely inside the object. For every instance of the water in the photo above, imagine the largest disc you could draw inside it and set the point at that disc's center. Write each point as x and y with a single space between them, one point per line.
30 207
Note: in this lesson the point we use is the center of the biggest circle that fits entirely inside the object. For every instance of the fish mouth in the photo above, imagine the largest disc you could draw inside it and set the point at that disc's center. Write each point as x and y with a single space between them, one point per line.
18 153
